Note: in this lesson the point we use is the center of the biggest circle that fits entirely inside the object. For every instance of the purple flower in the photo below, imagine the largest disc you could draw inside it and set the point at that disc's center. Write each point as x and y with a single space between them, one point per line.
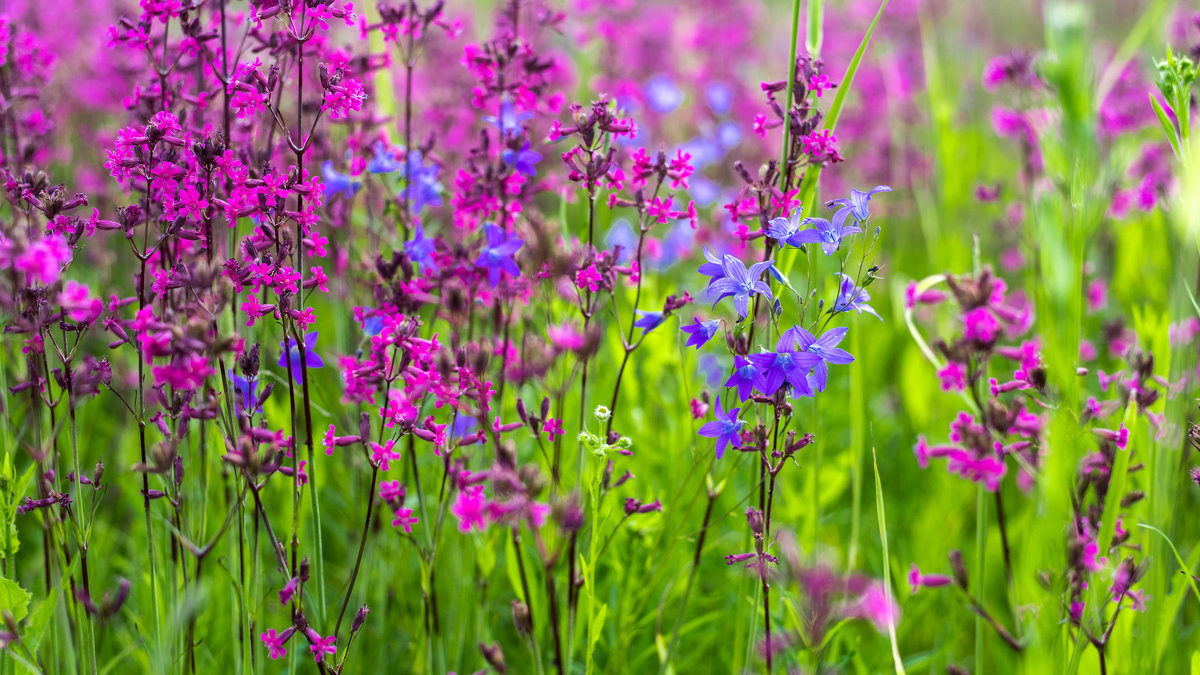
719 96
373 325
828 234
497 254
662 95
700 332
311 358
510 121
853 297
713 269
422 188
740 283
420 250
384 161
246 400
824 347
857 203
725 428
785 364
338 183
523 160
745 377
649 320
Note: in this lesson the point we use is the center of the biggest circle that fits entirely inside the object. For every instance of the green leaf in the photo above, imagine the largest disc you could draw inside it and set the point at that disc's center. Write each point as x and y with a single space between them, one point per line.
1167 126
887 566
39 621
14 598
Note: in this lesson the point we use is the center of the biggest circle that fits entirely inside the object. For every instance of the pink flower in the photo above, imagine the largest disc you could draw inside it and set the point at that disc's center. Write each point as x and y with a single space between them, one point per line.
275 642
321 645
77 304
404 518
44 259
471 509
953 376
383 454
390 491
877 606
980 325
588 278
917 580
554 427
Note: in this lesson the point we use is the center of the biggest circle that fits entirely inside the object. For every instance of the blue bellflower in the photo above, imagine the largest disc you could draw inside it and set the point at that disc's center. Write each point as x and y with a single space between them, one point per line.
662 95
741 283
824 347
720 97
726 429
746 377
384 161
649 320
785 364
510 121
420 250
247 399
700 332
311 358
857 203
523 160
497 254
828 234
853 297
338 183
421 188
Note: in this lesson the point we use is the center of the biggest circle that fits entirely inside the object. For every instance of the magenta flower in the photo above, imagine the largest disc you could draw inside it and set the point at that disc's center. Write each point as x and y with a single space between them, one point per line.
553 427
726 428
274 642
383 454
404 518
917 580
471 509
319 646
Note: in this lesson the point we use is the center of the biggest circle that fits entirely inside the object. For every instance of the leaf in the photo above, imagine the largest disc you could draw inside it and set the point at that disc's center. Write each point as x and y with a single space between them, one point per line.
1167 126
595 626
38 621
887 566
14 598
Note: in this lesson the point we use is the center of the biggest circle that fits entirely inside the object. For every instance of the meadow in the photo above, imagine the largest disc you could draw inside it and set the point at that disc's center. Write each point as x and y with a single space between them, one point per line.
566 336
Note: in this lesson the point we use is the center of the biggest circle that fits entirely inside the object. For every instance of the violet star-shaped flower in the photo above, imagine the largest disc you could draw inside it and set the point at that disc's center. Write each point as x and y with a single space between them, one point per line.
523 160
420 250
649 320
828 234
726 428
384 161
746 377
338 183
824 347
497 254
785 364
713 269
311 358
421 188
247 399
857 203
741 283
853 297
510 120
700 332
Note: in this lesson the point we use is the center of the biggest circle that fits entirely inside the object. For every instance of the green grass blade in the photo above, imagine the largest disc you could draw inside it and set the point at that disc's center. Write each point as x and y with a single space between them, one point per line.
887 565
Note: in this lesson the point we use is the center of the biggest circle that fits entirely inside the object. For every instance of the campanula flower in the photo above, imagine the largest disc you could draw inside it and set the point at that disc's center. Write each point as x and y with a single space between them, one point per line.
510 121
824 347
719 97
497 254
338 183
523 160
311 358
246 400
649 320
828 234
713 269
726 428
746 377
857 203
741 283
422 188
384 161
420 250
785 364
853 297
662 95
700 332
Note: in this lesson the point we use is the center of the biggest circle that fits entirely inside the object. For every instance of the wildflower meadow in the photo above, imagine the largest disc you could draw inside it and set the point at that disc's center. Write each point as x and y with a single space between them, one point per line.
579 336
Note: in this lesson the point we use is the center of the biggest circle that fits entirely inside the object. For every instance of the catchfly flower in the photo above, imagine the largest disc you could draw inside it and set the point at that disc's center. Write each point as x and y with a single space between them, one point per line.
726 428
